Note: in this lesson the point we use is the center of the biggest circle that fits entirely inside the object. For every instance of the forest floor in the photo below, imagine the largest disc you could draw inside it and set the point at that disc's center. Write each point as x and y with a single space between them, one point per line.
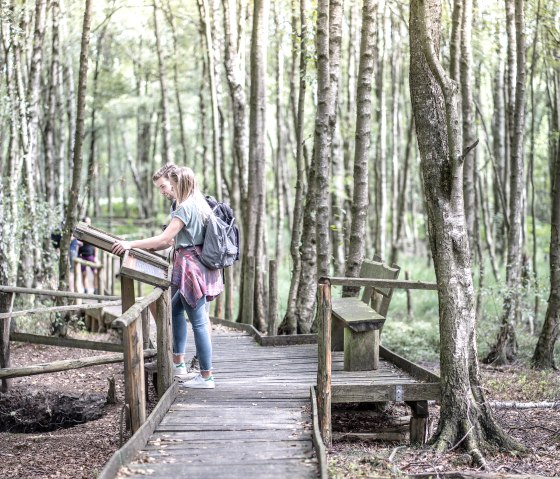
80 452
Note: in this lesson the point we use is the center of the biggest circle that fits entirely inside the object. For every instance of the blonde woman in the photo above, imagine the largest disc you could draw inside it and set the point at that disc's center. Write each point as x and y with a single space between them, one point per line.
195 283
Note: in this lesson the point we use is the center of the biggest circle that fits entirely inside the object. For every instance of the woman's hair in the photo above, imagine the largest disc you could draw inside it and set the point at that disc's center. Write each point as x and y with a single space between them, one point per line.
187 188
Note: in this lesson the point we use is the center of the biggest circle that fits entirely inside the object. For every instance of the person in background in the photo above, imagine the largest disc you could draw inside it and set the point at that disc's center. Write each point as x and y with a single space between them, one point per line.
86 252
195 284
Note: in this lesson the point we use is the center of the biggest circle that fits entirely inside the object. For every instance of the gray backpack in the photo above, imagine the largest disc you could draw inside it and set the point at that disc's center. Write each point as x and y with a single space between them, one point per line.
220 247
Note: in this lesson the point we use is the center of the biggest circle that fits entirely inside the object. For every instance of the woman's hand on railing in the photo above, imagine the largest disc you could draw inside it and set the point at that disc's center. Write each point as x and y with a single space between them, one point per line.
119 247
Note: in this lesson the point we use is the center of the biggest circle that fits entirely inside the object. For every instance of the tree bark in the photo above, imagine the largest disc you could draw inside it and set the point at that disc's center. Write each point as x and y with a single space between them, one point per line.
505 348
466 421
469 130
167 153
289 323
206 24
543 357
254 238
72 210
360 198
325 121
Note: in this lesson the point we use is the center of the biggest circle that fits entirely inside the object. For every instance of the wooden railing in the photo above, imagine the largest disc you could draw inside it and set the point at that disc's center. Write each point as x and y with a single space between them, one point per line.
135 348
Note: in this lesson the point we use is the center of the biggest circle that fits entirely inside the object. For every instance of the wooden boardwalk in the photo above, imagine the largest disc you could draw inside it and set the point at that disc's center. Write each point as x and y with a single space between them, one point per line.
255 424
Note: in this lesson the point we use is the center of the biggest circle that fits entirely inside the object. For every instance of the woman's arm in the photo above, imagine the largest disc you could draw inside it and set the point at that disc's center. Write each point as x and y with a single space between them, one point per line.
161 241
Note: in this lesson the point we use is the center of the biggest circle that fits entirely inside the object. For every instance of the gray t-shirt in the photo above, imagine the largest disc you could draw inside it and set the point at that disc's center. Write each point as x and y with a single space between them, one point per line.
189 215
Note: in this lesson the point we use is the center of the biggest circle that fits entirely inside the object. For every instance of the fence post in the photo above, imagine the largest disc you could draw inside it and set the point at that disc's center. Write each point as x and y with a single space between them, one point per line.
164 359
272 297
249 290
133 360
324 359
228 285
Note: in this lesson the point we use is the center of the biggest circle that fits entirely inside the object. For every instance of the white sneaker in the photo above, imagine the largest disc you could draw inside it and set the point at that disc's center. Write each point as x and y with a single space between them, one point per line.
199 382
179 369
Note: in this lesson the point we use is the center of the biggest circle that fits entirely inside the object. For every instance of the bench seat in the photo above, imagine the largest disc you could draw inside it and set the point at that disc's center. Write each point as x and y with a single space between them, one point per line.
357 322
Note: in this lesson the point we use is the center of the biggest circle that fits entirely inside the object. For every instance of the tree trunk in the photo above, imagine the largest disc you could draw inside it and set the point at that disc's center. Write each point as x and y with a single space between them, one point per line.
167 153
289 323
543 356
254 239
72 210
466 421
169 16
505 348
360 198
206 24
328 53
469 130
380 166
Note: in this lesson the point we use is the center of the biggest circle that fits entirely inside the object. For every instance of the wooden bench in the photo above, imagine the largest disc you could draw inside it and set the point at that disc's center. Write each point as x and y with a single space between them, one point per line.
357 322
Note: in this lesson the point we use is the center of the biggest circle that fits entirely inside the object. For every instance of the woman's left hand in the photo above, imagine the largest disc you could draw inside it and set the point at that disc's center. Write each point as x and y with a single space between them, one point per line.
119 247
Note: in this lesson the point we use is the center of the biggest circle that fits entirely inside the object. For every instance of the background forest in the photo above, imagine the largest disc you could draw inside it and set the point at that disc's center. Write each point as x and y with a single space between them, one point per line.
95 96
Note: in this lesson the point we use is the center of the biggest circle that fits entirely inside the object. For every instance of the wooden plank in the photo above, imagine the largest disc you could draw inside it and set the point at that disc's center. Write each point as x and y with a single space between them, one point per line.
324 361
317 439
248 290
280 469
134 374
54 293
356 314
361 350
65 342
165 360
65 365
382 393
137 441
383 283
55 309
411 368
133 310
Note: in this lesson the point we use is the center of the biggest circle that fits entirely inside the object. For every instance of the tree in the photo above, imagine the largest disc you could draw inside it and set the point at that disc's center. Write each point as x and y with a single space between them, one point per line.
360 199
72 209
465 419
505 348
543 357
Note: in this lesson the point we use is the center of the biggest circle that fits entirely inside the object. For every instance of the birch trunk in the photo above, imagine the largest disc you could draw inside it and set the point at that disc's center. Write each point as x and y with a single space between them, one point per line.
206 23
543 357
72 210
254 238
505 348
167 153
466 420
360 198
289 323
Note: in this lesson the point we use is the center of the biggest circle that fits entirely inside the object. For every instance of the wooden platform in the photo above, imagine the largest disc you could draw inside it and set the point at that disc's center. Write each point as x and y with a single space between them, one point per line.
257 422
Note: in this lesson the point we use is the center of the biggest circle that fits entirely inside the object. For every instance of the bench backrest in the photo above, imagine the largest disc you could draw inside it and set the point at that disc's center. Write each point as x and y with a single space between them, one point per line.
378 297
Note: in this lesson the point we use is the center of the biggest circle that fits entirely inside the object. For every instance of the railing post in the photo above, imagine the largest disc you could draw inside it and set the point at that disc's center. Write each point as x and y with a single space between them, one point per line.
133 360
249 290
324 359
164 358
272 297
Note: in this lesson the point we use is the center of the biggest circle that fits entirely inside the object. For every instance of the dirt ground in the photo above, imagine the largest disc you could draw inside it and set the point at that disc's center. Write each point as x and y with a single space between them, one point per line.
80 452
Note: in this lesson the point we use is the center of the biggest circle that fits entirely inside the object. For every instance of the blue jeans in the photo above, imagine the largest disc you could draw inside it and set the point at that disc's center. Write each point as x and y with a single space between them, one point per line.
199 321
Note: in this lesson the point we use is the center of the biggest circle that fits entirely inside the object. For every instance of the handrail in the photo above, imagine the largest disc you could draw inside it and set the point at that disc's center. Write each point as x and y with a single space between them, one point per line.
380 283
51 292
85 262
55 309
134 311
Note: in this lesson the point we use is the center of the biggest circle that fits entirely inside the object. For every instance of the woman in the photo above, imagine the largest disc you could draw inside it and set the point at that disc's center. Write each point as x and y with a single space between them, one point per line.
195 283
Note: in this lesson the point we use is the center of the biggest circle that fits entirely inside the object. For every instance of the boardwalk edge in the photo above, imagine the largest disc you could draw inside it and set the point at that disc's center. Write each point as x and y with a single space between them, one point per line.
139 439
320 449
